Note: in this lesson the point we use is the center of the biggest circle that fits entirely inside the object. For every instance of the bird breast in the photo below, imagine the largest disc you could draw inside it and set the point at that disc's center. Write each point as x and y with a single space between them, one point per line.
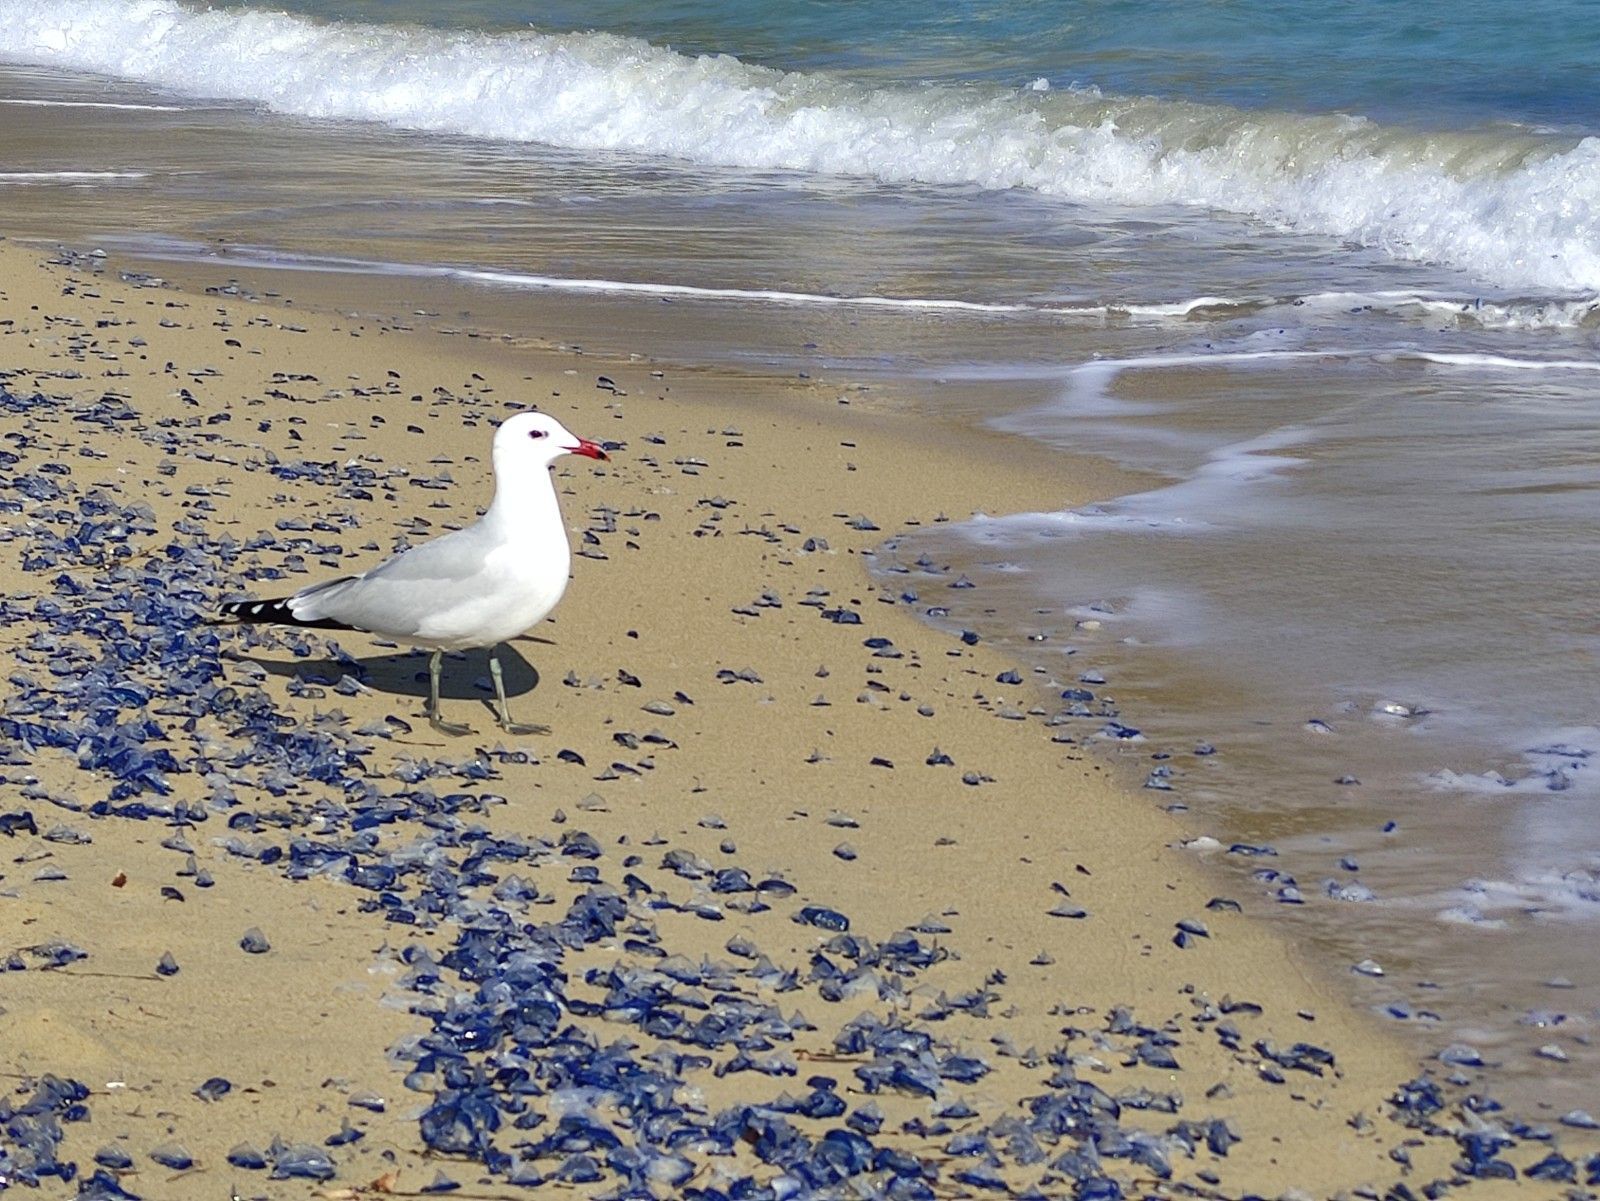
517 588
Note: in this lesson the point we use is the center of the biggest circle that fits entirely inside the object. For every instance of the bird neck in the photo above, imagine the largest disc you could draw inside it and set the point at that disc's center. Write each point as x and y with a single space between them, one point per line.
525 507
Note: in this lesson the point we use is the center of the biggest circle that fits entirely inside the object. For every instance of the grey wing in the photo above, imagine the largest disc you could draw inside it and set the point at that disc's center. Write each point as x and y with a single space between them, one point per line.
397 596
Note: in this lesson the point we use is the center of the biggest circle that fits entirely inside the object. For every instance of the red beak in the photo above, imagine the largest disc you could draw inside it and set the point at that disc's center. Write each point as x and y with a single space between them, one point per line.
589 450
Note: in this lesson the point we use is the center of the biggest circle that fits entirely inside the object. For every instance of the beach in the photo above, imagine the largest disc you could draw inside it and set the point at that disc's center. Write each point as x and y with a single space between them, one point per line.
726 687
1077 675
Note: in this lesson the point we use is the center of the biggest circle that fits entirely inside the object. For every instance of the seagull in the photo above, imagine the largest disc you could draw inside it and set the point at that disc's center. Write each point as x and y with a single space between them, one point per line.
474 587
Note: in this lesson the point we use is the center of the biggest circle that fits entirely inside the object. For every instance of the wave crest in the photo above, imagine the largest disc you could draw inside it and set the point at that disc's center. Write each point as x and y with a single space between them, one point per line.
1510 207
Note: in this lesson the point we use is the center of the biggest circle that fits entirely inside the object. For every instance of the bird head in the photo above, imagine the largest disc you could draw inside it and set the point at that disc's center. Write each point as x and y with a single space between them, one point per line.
532 437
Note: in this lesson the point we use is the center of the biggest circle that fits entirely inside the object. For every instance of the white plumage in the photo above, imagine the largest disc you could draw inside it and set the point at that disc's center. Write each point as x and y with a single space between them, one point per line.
474 587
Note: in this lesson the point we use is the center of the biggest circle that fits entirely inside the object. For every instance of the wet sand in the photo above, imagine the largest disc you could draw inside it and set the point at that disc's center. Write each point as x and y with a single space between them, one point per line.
710 704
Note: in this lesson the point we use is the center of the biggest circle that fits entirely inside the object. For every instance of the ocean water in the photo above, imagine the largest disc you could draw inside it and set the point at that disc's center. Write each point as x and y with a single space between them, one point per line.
1327 275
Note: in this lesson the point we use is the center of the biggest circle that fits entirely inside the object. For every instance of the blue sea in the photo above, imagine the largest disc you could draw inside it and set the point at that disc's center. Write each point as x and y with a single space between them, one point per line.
1325 276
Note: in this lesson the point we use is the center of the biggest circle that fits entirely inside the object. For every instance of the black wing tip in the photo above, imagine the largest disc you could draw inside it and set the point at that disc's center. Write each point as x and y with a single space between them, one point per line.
272 612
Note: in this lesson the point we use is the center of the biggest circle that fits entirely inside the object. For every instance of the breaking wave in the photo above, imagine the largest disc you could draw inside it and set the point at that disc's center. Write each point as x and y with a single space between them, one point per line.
1511 207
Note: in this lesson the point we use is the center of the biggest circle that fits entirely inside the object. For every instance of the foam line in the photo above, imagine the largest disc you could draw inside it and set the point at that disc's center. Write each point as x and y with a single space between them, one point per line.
138 108
1511 206
67 176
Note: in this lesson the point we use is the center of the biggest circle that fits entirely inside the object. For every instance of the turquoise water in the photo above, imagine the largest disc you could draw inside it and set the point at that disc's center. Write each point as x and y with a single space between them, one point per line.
1458 141
1473 62
1329 273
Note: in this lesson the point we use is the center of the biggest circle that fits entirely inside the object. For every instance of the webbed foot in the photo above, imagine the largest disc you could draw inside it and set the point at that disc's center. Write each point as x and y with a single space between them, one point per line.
454 729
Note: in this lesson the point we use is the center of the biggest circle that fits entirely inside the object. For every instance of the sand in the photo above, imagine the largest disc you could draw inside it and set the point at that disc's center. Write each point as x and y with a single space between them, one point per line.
710 548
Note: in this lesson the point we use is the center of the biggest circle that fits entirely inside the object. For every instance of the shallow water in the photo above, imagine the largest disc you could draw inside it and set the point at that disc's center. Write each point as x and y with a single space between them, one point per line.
1368 589
1350 322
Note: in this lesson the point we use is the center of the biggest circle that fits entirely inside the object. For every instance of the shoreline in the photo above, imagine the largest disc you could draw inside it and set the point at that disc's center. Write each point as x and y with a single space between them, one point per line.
703 526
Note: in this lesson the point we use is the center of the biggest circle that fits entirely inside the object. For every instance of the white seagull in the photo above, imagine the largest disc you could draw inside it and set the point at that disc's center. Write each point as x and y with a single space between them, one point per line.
474 587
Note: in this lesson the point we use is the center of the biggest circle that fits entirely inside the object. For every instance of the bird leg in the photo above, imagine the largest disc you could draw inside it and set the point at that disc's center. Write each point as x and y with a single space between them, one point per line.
437 722
503 710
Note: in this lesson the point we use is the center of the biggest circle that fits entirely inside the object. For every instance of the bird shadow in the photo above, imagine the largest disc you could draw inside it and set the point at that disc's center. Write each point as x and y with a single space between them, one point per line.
465 676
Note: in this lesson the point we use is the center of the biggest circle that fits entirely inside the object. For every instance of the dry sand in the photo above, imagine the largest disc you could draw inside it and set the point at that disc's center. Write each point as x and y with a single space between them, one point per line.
700 544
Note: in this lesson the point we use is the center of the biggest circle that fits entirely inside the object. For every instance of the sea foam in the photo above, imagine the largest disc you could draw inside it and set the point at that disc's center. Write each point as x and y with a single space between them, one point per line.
1510 207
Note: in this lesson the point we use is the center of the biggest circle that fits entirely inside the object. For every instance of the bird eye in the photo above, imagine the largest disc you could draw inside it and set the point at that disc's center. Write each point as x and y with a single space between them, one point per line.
536 433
